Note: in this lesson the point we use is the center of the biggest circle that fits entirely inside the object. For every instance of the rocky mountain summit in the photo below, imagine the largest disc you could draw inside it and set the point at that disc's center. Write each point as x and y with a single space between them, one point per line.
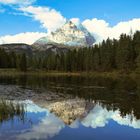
69 35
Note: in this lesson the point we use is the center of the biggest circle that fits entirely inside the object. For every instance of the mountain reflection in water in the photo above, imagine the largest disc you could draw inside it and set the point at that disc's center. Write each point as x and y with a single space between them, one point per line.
64 109
46 125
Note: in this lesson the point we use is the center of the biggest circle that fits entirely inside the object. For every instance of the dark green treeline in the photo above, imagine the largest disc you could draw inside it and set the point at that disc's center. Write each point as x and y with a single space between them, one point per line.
122 54
13 60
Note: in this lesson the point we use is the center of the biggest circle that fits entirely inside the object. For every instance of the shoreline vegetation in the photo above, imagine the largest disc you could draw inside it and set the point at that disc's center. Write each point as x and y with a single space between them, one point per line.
111 74
9 109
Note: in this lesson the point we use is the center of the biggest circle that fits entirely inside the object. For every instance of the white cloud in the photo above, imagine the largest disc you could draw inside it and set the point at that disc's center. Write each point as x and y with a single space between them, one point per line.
103 30
49 18
76 21
20 2
28 37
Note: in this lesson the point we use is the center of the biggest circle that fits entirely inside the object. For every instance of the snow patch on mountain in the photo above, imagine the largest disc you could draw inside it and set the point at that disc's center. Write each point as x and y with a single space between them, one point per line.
69 34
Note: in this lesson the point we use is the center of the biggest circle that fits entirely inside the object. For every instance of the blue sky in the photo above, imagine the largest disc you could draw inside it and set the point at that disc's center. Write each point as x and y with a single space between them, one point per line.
112 11
14 21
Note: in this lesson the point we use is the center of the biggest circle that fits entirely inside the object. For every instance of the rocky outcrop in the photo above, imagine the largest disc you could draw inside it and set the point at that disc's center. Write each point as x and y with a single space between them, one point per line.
48 48
69 35
17 48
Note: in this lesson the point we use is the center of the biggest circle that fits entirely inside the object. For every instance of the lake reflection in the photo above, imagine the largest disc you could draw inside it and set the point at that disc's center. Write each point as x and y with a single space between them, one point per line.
40 124
70 111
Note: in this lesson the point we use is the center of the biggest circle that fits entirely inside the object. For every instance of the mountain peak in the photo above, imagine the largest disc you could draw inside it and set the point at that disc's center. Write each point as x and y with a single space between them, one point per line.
69 24
70 35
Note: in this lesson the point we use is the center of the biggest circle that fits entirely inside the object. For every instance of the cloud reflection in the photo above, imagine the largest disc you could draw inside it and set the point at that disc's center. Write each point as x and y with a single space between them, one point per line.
100 117
48 126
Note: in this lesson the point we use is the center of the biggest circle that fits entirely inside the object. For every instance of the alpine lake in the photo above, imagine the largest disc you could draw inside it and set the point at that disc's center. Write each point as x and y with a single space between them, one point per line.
69 108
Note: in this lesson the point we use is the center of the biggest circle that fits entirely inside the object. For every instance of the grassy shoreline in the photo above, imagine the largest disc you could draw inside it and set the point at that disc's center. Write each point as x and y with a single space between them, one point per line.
112 74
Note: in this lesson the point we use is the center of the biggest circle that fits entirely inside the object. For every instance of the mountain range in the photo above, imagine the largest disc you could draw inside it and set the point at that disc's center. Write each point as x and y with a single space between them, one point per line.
67 37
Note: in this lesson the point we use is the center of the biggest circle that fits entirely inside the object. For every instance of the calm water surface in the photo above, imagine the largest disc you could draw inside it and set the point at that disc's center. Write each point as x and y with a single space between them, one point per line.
69 108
